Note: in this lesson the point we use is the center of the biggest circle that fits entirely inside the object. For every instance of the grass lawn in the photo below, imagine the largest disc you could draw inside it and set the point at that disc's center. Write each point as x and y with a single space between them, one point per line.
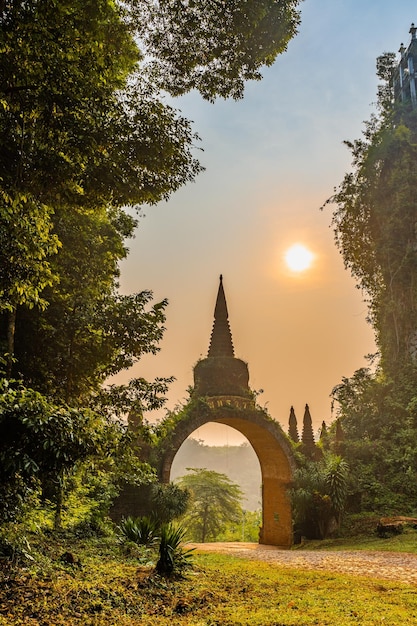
405 542
111 585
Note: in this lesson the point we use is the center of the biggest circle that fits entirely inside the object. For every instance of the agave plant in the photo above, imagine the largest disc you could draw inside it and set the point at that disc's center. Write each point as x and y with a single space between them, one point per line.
141 530
173 558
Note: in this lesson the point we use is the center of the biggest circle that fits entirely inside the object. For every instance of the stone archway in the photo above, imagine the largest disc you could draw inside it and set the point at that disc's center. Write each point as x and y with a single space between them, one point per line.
221 394
269 443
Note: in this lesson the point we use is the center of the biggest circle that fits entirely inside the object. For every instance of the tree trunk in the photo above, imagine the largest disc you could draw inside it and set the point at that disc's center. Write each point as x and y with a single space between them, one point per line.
58 505
204 528
11 329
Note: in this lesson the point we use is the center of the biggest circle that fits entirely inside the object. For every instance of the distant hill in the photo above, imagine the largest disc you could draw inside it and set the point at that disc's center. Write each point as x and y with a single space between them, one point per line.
239 463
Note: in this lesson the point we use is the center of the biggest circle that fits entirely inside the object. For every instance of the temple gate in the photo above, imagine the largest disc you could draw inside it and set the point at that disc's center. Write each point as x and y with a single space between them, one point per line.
221 394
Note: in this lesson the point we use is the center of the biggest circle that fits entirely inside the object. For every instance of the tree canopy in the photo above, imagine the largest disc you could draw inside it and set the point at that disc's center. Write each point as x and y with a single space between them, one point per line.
212 46
375 222
84 127
215 500
87 136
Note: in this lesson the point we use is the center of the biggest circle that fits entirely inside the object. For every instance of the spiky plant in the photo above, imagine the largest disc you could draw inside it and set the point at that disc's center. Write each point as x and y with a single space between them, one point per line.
173 558
141 530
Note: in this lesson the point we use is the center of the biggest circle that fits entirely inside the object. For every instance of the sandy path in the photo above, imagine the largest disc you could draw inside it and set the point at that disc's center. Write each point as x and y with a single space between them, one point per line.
400 566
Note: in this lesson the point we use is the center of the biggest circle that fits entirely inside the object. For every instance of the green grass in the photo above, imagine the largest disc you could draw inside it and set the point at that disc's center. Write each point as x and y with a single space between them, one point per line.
404 542
111 585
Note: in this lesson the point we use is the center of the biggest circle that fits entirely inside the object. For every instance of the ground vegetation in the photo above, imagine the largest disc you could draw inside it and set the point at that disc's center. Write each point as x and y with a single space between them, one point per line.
98 582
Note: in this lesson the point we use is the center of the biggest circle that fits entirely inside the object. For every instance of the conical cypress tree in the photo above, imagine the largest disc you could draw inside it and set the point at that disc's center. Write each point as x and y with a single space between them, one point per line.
339 438
292 427
309 446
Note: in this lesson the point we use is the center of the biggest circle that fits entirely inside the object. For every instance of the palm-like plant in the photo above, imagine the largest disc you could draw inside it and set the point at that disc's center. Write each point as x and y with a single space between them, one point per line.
173 558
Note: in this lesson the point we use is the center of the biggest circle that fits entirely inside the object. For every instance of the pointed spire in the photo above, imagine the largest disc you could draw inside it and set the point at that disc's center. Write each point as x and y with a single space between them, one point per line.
221 338
292 426
307 437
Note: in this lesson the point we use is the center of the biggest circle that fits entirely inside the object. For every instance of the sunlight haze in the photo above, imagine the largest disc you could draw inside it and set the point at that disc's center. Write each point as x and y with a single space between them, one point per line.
298 258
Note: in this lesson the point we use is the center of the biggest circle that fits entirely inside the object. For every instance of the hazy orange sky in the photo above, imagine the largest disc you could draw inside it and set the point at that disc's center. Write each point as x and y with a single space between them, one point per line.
271 161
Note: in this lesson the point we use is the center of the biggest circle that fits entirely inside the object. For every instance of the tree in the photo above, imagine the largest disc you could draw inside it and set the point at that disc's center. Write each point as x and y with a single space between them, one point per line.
375 229
212 46
380 430
374 224
215 500
40 440
83 127
74 135
169 502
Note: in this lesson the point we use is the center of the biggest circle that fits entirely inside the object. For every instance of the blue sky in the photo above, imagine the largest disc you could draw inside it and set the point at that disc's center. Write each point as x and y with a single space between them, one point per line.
271 162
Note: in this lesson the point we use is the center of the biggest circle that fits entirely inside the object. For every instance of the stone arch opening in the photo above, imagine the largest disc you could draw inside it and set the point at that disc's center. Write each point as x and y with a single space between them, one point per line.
220 448
270 445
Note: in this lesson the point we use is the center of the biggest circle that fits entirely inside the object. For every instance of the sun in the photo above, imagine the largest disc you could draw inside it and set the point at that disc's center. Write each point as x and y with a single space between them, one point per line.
298 258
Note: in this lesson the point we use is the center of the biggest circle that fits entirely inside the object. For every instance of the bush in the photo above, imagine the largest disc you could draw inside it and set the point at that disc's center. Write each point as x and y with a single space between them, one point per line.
14 546
141 530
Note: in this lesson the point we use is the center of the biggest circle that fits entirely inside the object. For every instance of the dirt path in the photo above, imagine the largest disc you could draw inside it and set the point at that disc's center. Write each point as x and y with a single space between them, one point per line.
400 566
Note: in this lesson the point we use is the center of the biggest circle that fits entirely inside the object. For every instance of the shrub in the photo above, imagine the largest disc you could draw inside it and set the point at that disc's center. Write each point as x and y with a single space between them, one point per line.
141 530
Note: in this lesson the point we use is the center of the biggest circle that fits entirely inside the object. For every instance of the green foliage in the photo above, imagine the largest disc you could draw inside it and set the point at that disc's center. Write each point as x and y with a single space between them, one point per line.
215 500
169 501
375 229
87 338
81 140
14 545
213 47
140 530
319 496
27 244
39 439
380 436
49 445
245 529
173 557
374 224
85 130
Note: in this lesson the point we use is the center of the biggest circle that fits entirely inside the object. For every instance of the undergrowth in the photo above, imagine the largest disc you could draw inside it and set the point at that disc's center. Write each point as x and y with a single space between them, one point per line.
100 582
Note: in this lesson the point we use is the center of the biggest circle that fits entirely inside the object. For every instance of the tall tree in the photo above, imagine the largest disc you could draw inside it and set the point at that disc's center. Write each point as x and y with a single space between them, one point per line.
82 123
215 500
375 229
88 331
74 135
375 223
